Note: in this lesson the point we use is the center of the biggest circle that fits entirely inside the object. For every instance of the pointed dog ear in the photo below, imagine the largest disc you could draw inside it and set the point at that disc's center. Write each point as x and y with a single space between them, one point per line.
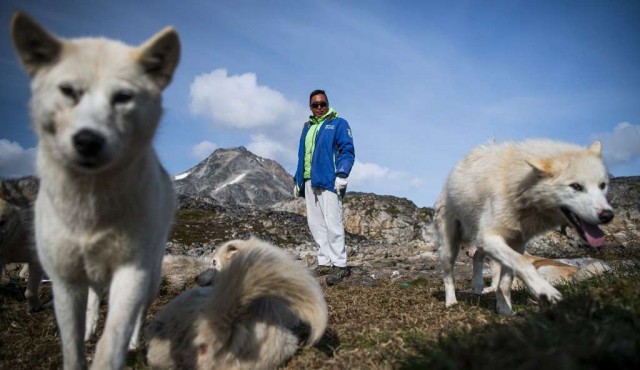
159 56
231 250
543 167
596 148
35 46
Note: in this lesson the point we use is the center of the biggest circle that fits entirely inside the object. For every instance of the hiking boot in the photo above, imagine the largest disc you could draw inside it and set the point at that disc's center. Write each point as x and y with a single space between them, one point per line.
321 270
338 274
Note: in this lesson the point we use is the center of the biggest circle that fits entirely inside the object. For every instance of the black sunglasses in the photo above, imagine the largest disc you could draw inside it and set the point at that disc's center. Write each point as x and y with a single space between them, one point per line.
322 104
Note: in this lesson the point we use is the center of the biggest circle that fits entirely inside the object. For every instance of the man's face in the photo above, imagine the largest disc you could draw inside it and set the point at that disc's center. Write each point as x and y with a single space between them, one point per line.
319 105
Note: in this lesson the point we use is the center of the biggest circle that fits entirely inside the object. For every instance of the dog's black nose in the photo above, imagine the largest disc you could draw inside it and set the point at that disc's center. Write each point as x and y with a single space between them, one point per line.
606 216
88 142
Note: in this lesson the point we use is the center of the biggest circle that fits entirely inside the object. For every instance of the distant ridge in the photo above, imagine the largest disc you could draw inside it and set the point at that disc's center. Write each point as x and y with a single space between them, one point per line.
235 176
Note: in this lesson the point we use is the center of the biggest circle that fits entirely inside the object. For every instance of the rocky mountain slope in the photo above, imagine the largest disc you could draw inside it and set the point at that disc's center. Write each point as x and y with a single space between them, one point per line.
235 176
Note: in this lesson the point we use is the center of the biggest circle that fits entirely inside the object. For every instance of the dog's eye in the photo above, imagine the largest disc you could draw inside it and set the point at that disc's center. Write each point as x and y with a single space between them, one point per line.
603 186
575 186
69 92
122 97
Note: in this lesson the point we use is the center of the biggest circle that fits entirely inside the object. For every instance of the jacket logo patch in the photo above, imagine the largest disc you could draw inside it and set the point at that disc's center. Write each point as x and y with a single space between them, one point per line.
330 127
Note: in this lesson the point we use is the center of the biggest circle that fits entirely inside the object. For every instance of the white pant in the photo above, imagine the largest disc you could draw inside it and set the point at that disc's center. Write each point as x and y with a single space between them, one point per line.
324 215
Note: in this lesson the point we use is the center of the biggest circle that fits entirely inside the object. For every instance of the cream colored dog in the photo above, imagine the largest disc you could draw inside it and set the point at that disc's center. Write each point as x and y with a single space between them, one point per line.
105 203
244 320
499 196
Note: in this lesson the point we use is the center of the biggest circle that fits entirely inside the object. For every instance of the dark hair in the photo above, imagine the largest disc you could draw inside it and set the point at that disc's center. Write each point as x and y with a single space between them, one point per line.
317 92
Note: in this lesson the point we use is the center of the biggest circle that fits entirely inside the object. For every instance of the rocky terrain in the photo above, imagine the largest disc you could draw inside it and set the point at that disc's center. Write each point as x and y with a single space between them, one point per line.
387 236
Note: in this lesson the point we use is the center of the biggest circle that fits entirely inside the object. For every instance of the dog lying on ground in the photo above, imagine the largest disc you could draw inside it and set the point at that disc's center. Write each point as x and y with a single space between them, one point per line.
499 196
105 203
16 233
244 320
553 271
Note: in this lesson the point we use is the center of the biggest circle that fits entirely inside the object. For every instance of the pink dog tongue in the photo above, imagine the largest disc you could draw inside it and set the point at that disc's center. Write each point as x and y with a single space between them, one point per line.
593 234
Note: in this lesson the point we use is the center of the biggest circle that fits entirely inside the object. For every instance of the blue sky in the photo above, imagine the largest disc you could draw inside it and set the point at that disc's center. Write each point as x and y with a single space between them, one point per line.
420 82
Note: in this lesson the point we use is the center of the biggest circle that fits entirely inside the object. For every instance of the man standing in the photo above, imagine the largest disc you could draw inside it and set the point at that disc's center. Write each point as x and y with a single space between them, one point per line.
325 158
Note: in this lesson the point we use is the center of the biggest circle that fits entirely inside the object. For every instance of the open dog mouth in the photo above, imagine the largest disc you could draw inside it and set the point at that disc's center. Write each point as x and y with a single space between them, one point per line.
591 233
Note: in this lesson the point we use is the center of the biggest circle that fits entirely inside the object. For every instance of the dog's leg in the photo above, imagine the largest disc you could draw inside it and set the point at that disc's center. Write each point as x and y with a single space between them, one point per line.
496 247
33 287
503 292
135 336
495 277
477 281
24 271
448 252
93 313
156 278
127 295
70 305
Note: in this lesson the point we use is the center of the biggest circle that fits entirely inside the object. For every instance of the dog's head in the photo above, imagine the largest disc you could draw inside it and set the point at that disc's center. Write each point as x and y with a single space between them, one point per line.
575 182
96 102
220 259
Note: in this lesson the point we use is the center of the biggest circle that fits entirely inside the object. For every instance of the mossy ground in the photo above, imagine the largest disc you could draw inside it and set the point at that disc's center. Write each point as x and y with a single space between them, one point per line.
405 325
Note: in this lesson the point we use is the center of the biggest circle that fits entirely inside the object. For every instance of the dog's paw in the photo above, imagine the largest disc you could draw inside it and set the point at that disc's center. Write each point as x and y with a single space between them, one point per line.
450 302
551 297
504 310
477 288
48 305
34 308
489 289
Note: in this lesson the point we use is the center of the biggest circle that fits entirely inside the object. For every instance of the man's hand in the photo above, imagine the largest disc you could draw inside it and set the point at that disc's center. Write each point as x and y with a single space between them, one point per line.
296 191
341 184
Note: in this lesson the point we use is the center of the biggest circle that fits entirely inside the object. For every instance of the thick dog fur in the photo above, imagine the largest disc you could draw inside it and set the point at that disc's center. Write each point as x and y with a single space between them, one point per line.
16 233
179 271
105 203
499 196
244 320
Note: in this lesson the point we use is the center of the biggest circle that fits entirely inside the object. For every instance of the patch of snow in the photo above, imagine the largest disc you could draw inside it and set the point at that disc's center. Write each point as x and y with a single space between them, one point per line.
181 176
237 179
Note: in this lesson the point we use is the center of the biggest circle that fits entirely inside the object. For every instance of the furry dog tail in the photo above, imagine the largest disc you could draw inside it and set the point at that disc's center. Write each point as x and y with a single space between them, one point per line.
267 273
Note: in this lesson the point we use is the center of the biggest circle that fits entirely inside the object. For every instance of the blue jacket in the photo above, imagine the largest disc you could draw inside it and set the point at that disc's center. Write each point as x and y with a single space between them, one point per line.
333 154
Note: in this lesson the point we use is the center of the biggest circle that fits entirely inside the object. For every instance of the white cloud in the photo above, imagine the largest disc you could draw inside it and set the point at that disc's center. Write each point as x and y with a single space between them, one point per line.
622 145
416 183
16 161
272 149
203 149
238 101
364 173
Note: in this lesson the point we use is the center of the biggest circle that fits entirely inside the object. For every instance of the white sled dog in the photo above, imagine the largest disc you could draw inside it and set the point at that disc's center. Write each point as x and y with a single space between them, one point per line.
244 320
501 195
105 203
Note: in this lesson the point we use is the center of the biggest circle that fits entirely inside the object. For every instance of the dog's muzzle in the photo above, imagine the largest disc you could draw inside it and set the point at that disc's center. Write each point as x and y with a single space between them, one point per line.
591 233
206 278
89 145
